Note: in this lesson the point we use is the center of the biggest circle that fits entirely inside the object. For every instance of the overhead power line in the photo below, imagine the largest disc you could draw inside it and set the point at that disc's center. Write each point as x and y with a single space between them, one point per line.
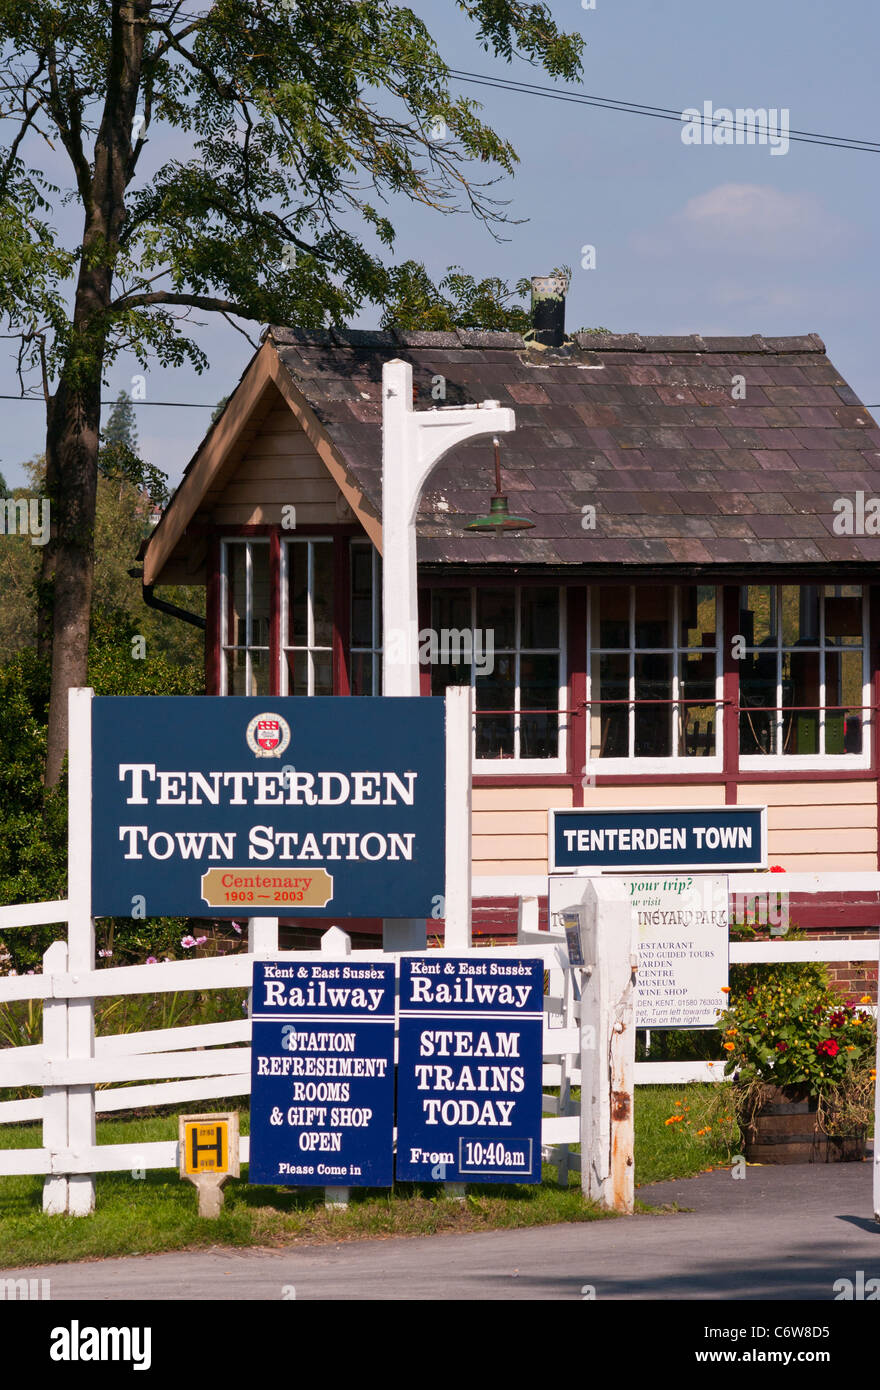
662 113
187 405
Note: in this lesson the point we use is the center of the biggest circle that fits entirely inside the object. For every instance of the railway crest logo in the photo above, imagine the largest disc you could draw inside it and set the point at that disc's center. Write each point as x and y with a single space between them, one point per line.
268 735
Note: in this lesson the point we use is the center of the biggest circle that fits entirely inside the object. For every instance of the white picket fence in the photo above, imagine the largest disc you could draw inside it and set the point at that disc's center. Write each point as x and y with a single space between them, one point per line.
186 1064
210 1061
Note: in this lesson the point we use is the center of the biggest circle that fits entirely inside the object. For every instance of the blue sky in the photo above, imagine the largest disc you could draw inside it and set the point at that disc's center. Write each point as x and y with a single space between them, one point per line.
707 239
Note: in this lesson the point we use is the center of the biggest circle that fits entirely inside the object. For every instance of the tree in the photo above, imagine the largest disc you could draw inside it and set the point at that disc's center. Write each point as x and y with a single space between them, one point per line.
286 115
458 301
414 302
123 519
118 455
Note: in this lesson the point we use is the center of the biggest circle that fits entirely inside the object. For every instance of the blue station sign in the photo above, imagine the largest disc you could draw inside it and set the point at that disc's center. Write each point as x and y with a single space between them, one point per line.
322 1074
246 806
680 837
470 1070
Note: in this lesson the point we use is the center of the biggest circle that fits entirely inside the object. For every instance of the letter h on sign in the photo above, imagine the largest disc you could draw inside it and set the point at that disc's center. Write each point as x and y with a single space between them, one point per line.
196 1148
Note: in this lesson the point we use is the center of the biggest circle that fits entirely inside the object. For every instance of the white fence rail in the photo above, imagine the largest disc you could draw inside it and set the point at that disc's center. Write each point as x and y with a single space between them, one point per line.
194 1063
212 1061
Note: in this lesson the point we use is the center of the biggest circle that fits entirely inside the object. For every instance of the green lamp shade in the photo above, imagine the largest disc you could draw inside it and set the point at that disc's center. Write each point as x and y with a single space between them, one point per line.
499 518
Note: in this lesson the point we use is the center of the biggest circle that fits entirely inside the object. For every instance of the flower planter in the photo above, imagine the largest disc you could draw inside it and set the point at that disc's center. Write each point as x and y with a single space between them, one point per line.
785 1128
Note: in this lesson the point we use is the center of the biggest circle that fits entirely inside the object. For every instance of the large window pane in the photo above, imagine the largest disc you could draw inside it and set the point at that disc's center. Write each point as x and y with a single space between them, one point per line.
260 598
361 596
697 615
800 688
322 594
757 617
496 613
298 594
540 618
539 689
653 617
236 596
696 722
843 615
653 722
612 719
611 616
362 673
236 673
495 732
800 615
450 609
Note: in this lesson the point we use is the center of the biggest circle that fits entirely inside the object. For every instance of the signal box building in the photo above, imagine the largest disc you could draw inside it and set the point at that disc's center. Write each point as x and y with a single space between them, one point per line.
692 619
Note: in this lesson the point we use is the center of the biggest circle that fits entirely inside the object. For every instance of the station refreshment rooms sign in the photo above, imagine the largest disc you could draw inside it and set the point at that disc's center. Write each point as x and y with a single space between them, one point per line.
269 806
322 1074
680 837
470 1070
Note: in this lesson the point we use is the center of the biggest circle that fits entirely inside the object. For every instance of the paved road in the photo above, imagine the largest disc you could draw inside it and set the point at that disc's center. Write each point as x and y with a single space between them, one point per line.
780 1233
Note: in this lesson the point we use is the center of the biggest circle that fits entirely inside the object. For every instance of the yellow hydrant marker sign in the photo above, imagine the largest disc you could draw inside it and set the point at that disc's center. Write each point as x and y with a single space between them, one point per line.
208 1153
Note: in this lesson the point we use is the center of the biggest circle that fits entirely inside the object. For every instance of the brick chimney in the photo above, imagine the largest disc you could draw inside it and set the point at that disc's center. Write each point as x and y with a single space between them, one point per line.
548 309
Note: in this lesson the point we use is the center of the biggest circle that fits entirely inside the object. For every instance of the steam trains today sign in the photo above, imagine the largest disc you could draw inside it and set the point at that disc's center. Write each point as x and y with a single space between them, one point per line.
267 806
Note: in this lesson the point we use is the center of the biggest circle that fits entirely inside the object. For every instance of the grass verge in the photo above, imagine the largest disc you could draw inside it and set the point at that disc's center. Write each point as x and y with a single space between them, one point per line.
158 1212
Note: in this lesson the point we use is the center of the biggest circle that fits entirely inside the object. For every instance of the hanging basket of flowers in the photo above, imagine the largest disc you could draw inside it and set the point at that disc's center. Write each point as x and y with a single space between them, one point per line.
802 1062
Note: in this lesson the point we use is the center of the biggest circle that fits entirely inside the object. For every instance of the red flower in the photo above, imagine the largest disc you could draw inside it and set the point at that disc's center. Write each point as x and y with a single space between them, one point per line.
837 1018
776 869
829 1046
782 1047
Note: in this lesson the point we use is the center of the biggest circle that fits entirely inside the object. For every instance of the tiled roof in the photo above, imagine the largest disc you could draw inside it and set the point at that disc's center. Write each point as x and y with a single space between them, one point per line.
649 431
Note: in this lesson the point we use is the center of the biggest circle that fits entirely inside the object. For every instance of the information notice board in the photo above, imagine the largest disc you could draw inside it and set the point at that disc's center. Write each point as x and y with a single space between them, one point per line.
470 1070
683 927
322 1087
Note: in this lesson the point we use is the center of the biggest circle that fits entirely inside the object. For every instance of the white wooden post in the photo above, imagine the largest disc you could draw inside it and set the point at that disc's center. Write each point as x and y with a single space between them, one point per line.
262 935
608 1046
457 894
413 443
527 916
80 938
336 942
56 1137
566 1067
262 938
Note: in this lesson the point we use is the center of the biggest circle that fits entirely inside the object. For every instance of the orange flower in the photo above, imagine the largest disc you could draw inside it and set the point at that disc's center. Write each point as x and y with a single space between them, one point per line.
725 989
729 1032
729 1047
865 999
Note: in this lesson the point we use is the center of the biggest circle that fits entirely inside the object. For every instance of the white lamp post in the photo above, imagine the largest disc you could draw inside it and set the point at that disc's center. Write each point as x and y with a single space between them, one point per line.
413 443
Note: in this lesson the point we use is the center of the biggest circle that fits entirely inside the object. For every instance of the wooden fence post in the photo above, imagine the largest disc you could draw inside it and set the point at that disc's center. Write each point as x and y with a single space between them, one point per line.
56 1137
608 1046
80 939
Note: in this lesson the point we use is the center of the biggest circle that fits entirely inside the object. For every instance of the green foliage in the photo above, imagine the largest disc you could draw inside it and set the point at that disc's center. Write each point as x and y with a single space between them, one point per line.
118 456
287 122
799 1034
115 669
122 524
775 974
33 819
458 301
